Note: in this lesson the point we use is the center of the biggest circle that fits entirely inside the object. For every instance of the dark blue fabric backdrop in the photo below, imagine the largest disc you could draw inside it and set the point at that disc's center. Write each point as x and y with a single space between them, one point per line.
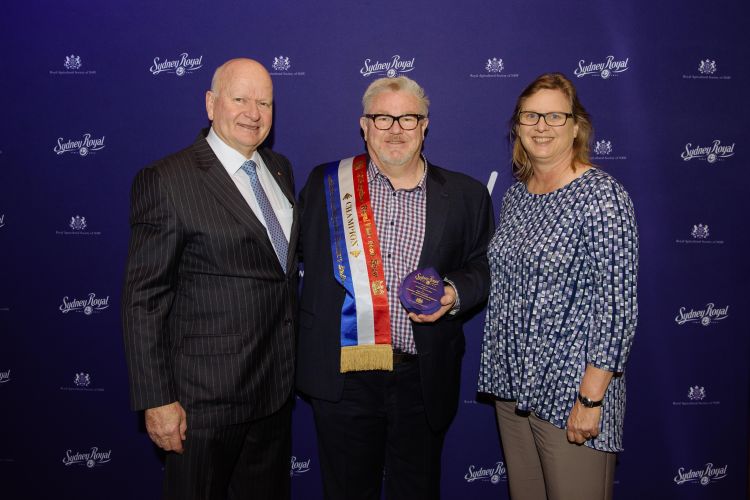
93 91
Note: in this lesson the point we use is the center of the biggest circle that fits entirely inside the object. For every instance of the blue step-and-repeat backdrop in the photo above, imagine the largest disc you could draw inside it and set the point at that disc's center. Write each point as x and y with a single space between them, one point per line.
93 91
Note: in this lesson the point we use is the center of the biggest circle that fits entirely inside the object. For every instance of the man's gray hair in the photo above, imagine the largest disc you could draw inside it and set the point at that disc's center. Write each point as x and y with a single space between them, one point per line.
395 84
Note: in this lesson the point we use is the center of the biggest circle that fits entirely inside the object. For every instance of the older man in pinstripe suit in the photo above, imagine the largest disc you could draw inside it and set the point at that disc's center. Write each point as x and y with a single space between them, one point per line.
210 298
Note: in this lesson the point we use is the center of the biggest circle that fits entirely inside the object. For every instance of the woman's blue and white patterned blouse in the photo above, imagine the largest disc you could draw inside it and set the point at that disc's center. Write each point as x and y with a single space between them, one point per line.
564 267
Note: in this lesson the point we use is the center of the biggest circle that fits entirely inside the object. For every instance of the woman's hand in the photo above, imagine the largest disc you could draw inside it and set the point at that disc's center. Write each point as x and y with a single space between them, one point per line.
583 423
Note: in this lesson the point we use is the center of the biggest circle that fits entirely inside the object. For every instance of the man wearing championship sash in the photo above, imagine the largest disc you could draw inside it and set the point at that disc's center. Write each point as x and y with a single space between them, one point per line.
383 374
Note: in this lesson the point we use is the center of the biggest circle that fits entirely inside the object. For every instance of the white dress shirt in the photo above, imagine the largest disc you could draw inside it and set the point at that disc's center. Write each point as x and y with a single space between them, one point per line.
232 161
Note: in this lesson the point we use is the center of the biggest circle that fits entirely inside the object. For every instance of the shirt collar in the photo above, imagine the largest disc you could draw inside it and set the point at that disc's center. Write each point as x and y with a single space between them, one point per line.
230 158
375 174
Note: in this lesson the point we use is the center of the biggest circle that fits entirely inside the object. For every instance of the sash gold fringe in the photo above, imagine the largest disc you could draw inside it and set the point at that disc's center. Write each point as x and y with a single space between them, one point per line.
366 357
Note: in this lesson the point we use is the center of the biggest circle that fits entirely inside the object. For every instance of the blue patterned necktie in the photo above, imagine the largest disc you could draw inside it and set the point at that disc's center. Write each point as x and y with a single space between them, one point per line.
280 244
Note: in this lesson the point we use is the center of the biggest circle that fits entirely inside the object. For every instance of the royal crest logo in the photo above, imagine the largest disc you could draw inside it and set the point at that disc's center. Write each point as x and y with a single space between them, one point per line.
713 153
707 316
82 383
83 147
87 306
72 66
281 63
494 68
494 65
700 235
82 379
392 68
707 70
700 231
697 393
78 227
77 223
707 67
299 467
493 474
603 148
610 67
72 62
696 396
703 476
91 459
180 66
4 377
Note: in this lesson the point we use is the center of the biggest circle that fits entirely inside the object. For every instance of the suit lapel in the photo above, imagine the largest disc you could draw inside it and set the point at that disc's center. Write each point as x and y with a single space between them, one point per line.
222 186
284 182
438 203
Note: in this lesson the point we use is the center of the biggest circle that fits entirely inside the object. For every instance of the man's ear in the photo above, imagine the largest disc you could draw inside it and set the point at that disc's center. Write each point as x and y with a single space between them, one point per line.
210 97
363 124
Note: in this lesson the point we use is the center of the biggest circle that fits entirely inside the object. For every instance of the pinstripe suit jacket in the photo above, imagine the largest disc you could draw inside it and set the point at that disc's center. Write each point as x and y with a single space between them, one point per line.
208 314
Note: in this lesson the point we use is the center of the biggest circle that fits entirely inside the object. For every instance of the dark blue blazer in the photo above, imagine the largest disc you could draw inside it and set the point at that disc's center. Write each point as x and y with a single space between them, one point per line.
459 224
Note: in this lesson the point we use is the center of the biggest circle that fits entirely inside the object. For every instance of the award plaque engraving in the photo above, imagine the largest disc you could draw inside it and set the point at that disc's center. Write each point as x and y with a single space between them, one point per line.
421 291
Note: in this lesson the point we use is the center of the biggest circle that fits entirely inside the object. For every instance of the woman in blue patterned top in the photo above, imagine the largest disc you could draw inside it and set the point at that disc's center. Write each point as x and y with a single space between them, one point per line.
562 308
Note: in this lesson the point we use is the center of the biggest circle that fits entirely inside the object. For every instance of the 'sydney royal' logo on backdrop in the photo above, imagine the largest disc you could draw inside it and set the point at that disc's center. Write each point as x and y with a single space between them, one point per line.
91 459
605 69
493 474
705 317
180 66
87 306
391 68
713 153
299 467
703 476
87 144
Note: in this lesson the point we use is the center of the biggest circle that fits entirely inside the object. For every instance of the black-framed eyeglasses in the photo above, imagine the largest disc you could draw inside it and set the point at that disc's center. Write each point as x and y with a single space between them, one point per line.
553 118
385 122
